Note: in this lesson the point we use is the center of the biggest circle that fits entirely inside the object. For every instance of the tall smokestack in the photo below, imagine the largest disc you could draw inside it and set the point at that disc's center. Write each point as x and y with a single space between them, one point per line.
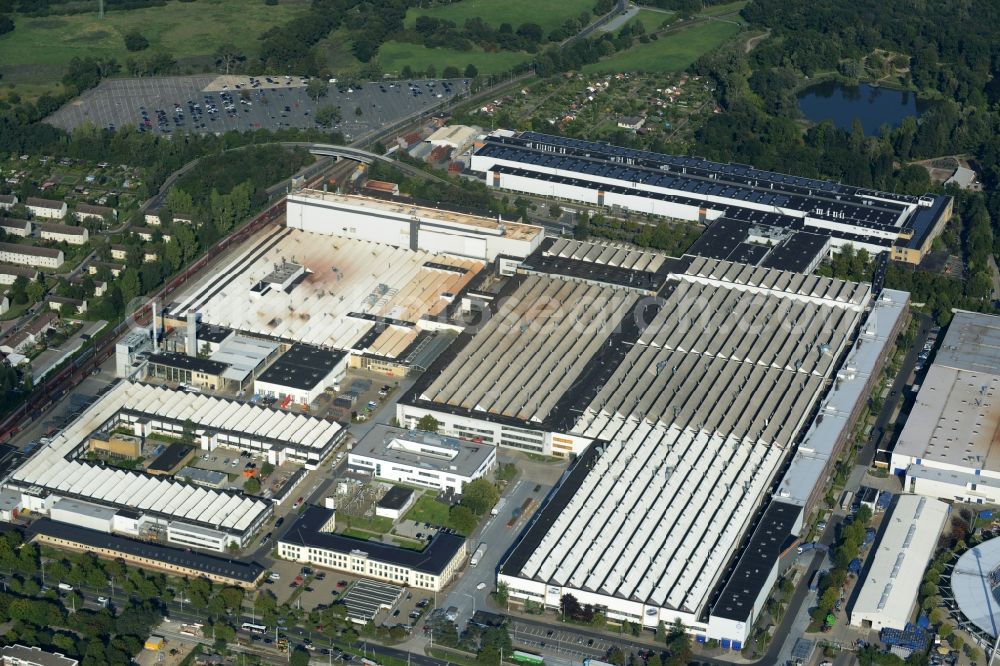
192 333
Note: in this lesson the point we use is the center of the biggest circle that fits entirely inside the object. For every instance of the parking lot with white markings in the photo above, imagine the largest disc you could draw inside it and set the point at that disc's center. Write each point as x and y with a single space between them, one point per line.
168 105
558 641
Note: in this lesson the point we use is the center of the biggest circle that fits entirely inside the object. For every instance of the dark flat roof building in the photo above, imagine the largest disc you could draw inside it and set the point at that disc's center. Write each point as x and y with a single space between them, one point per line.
762 245
302 367
396 498
183 361
747 588
311 539
171 460
152 555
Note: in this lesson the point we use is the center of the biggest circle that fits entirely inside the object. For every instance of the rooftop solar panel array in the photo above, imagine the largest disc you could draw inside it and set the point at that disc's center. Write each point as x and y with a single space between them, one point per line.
702 180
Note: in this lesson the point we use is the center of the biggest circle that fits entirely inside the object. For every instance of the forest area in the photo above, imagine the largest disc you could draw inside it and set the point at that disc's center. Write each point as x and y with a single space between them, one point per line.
953 60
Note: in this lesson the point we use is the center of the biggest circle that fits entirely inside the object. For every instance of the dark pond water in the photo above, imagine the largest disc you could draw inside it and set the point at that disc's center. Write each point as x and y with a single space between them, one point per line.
872 105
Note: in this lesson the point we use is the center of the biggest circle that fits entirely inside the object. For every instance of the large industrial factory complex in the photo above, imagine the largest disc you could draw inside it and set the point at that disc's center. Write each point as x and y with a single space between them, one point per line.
698 404
699 396
115 500
692 188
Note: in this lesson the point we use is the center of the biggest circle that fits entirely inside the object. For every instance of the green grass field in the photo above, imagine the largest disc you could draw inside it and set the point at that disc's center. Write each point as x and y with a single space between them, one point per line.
428 510
37 51
393 56
337 50
549 14
670 53
651 19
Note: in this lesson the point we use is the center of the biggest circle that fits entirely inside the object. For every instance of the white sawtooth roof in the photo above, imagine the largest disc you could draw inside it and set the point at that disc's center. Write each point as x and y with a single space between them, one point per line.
53 467
698 417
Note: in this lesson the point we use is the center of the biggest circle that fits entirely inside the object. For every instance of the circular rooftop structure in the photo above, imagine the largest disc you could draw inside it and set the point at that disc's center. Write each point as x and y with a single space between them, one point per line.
975 584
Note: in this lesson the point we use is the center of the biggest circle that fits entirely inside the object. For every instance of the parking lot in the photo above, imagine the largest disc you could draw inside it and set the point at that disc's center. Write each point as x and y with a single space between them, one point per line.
167 105
558 641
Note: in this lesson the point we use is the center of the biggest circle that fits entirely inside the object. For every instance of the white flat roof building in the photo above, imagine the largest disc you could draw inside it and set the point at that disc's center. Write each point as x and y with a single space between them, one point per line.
954 425
892 579
347 287
458 137
812 456
410 226
421 458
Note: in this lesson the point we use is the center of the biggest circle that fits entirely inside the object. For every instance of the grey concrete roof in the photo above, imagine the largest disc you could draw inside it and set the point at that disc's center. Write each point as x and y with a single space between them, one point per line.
971 343
402 446
529 354
612 254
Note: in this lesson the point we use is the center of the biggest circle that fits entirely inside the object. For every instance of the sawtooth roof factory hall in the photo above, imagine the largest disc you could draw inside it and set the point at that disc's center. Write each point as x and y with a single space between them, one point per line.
698 403
684 389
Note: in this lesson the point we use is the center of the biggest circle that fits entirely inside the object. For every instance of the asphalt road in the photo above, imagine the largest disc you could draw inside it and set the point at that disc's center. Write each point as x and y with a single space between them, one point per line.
498 538
166 105
896 393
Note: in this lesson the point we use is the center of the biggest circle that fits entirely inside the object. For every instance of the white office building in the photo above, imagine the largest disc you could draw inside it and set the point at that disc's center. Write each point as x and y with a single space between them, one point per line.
311 540
421 458
410 226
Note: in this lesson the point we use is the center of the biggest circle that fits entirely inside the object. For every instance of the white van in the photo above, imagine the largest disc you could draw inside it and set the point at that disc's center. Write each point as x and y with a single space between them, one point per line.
65 587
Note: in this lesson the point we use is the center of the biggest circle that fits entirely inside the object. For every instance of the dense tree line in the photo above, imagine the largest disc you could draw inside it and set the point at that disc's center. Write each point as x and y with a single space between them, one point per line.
289 47
672 238
434 32
951 46
946 51
43 618
63 7
464 194
257 168
580 52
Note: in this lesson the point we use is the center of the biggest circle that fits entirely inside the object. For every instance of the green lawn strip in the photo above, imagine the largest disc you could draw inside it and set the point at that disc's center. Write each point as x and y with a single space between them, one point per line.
670 53
393 56
652 20
429 510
